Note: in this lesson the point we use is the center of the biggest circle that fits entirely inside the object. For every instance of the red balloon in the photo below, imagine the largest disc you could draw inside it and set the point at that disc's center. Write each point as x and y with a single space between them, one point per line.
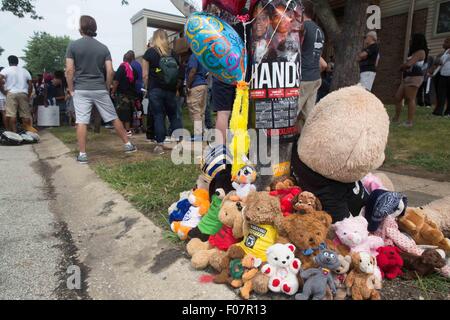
234 7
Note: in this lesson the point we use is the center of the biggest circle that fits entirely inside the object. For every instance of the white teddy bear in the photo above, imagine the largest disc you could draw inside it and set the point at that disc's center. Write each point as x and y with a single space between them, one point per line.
282 268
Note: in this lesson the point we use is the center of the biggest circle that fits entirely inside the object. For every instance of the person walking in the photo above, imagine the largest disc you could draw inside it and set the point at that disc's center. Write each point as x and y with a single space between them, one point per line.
197 92
443 81
312 47
368 60
413 76
160 69
19 88
87 60
124 92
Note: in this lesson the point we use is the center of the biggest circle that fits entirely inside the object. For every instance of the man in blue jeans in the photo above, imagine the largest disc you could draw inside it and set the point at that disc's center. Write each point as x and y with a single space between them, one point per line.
87 60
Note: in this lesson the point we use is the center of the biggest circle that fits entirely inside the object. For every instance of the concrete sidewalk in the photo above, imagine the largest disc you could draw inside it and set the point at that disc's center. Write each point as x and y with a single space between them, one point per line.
420 192
122 253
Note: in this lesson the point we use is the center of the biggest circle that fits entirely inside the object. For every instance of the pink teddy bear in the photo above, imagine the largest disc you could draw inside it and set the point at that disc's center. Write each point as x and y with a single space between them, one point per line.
353 233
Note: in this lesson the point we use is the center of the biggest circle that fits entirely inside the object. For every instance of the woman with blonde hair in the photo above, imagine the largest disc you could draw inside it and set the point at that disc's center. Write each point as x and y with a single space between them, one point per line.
160 69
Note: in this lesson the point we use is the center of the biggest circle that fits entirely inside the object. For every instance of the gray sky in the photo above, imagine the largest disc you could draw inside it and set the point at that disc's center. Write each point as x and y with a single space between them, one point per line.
60 18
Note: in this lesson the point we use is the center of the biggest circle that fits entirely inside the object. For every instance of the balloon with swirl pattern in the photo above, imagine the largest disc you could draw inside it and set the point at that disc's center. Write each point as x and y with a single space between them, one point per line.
217 46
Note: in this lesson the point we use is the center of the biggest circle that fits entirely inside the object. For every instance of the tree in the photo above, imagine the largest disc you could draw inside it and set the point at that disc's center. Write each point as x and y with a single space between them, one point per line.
1 51
346 36
45 52
22 8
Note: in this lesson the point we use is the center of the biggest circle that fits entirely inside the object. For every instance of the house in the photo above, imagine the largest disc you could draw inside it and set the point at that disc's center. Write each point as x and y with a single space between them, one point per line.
430 17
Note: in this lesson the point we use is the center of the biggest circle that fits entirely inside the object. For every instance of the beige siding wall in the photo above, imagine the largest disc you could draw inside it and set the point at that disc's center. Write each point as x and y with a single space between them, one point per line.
434 43
397 7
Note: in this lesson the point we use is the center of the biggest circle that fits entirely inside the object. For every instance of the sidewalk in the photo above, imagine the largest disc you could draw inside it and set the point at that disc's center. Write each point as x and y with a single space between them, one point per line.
419 191
125 254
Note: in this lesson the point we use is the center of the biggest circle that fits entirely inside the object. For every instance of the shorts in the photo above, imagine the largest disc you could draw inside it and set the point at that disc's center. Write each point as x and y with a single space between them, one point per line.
415 81
125 108
2 104
84 100
18 102
367 79
223 96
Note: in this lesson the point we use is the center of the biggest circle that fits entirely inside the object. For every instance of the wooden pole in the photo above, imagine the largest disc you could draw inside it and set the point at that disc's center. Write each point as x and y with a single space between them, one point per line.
412 6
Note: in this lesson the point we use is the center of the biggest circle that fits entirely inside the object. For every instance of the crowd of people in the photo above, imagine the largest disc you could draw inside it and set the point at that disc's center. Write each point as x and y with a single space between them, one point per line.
171 80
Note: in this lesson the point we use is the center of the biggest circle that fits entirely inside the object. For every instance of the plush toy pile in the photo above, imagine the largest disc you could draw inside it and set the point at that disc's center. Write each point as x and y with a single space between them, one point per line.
331 231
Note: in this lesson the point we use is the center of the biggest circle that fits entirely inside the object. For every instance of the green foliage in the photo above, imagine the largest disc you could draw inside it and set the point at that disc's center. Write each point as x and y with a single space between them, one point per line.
22 8
46 52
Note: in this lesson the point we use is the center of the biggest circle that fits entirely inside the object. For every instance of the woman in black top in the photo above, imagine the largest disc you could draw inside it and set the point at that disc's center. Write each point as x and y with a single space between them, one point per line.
162 95
413 76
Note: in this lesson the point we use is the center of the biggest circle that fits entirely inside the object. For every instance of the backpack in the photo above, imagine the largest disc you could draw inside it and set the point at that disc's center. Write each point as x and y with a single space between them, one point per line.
168 71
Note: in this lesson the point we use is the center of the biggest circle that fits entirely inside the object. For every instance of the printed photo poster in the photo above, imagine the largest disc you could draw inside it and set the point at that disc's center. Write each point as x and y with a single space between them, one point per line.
276 67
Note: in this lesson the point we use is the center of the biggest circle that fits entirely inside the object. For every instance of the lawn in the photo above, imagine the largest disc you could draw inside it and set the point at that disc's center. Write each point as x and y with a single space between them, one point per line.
422 150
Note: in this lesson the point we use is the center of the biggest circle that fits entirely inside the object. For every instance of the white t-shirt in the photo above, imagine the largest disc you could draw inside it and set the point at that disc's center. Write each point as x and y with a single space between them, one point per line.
445 59
16 79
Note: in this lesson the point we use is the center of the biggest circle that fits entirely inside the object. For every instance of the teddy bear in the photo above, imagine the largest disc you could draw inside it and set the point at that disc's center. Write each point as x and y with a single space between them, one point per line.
240 270
306 202
344 138
317 280
390 262
282 268
204 253
243 183
423 265
361 280
422 229
353 233
340 274
308 233
281 183
382 203
262 218
199 200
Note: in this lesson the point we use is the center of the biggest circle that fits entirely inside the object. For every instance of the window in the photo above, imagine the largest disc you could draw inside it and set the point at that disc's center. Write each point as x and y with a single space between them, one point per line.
443 18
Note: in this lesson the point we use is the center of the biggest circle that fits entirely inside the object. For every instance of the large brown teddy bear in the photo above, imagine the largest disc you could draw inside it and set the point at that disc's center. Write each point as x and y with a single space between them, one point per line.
422 229
344 139
308 232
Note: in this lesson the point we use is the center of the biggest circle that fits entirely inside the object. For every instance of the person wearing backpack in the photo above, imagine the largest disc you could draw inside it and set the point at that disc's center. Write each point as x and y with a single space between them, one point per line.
161 69
124 92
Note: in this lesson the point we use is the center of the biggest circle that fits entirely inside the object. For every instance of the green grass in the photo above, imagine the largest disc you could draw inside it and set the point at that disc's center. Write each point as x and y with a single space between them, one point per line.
68 135
425 146
151 186
432 284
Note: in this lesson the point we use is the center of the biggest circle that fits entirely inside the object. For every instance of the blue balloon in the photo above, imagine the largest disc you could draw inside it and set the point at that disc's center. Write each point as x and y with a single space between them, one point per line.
217 46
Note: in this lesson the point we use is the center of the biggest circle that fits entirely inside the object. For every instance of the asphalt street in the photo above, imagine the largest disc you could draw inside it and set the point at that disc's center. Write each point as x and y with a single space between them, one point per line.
29 251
